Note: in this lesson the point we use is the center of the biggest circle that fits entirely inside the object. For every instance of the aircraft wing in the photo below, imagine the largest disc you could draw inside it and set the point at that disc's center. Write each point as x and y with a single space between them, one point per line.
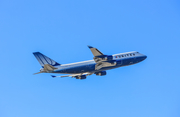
95 51
73 75
102 64
101 59
98 56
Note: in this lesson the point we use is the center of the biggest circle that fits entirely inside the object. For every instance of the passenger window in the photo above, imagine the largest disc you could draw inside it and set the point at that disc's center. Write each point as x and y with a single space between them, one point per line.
130 54
127 54
134 54
122 56
119 56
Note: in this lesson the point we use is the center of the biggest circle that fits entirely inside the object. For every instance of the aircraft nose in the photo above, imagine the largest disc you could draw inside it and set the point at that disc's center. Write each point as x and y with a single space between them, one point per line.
144 57
141 58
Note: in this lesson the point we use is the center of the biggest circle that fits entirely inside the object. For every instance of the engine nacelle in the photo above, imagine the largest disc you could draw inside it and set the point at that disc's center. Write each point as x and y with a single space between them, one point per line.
114 63
103 58
101 73
108 58
81 77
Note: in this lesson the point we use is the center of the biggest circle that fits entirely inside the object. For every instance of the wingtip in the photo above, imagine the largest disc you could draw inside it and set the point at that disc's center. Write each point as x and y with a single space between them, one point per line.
35 52
53 76
90 46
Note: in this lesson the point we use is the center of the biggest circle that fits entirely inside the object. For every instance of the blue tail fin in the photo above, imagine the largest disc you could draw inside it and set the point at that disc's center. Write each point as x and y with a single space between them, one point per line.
42 59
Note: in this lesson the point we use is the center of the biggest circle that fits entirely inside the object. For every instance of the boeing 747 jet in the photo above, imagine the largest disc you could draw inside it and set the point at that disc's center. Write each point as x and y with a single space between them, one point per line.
98 66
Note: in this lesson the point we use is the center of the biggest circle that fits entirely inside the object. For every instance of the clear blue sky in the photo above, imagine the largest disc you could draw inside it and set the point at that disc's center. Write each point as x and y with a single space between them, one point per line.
62 29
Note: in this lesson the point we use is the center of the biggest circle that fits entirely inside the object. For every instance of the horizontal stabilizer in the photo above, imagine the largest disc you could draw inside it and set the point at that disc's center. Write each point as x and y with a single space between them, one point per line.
48 67
38 73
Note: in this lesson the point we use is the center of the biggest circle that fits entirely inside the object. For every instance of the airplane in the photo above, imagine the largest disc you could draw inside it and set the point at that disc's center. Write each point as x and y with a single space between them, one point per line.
80 70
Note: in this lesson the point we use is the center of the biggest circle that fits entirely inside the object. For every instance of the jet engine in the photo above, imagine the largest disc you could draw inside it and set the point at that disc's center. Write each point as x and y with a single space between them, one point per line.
114 63
81 77
108 58
103 58
101 73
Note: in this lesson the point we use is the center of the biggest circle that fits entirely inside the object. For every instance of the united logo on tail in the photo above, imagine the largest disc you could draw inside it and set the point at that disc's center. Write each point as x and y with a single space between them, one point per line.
42 59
